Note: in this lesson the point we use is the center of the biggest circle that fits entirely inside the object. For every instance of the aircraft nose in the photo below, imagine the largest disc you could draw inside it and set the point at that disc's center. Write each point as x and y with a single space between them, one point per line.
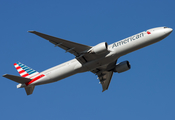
168 31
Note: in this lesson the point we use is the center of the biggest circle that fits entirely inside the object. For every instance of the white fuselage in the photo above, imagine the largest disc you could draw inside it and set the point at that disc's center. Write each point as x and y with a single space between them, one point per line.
116 49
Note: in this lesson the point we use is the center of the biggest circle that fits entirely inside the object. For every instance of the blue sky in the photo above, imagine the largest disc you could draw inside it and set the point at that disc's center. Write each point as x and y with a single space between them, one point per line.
147 91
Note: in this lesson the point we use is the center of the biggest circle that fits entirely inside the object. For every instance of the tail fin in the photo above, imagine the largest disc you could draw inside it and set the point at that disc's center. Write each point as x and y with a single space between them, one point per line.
28 76
25 71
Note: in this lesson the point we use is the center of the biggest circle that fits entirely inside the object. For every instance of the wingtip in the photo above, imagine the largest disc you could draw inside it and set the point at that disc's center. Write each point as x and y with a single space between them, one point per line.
104 89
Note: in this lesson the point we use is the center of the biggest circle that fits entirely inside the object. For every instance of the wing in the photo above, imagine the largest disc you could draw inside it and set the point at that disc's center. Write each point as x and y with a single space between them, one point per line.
71 47
105 74
79 50
105 79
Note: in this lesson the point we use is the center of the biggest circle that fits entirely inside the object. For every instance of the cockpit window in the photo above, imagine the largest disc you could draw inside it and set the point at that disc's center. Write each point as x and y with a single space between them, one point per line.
165 27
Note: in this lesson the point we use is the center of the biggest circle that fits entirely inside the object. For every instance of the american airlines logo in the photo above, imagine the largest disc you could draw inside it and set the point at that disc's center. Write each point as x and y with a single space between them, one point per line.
127 40
148 32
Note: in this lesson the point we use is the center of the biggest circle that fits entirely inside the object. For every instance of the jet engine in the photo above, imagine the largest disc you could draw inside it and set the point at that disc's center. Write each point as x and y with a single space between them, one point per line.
122 67
99 48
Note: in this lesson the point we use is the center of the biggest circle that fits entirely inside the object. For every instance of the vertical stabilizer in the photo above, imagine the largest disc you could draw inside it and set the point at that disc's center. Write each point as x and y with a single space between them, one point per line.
28 76
25 71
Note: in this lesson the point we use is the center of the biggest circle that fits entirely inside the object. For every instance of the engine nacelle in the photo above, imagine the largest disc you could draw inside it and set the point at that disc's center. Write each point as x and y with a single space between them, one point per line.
99 48
122 67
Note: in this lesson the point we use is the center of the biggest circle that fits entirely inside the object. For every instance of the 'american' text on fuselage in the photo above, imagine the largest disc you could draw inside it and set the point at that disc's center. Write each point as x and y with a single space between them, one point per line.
127 40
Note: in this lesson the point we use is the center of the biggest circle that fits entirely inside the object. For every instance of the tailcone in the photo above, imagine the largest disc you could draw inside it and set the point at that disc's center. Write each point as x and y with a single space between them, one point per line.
21 85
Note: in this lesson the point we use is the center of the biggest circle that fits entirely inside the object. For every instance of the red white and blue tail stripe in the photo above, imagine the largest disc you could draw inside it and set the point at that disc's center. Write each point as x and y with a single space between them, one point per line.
28 72
25 71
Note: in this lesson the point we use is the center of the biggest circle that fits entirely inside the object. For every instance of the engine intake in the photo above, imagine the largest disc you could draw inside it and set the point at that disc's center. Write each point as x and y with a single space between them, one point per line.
100 48
122 67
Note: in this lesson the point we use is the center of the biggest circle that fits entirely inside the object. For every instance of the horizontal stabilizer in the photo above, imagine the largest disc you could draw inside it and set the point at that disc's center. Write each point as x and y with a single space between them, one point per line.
17 78
29 90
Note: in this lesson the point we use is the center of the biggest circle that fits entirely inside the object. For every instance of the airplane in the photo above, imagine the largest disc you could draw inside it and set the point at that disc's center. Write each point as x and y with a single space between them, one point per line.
100 59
